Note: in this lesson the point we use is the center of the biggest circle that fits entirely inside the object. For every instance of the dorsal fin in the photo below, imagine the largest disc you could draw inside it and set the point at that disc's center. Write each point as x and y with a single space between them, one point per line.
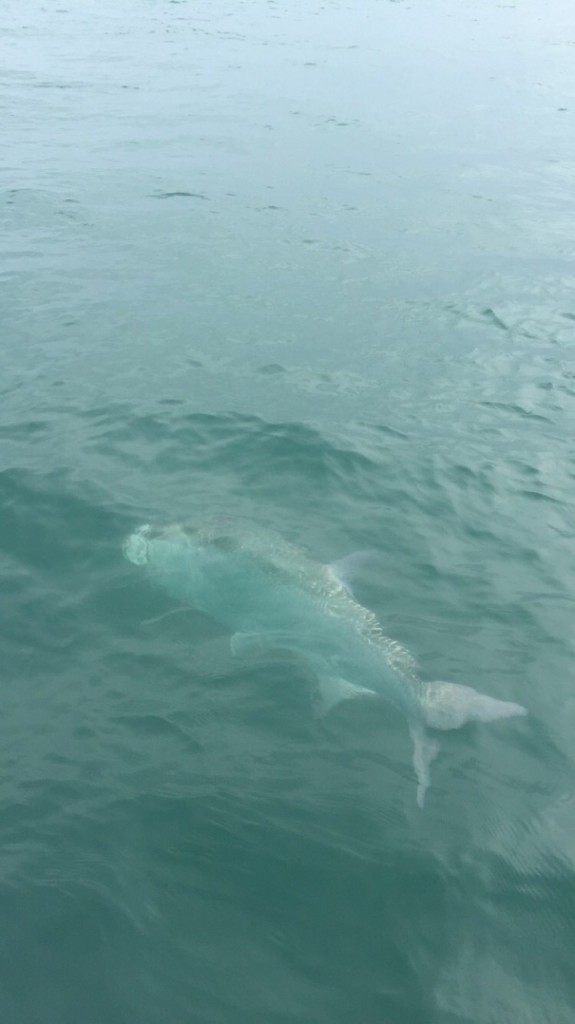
346 570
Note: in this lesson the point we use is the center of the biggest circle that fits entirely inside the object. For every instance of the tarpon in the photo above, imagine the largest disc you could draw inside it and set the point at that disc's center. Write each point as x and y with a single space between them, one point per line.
270 595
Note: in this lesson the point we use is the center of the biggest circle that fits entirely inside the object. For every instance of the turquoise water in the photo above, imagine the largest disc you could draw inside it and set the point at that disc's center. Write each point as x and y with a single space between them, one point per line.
312 265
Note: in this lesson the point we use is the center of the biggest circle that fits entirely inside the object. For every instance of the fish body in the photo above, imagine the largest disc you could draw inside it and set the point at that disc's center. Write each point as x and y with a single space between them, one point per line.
270 595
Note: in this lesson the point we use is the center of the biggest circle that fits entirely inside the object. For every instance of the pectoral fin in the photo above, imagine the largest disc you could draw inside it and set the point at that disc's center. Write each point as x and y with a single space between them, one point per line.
244 645
247 645
333 689
449 706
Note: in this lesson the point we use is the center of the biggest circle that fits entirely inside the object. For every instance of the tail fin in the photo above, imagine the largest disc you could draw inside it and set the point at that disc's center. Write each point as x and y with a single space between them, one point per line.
449 706
424 751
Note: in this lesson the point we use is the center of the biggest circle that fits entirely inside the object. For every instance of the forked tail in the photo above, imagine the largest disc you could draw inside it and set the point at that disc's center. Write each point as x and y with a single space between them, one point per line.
449 706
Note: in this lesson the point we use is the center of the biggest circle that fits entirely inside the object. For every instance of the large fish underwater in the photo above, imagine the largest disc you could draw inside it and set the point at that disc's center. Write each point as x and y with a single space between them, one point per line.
270 595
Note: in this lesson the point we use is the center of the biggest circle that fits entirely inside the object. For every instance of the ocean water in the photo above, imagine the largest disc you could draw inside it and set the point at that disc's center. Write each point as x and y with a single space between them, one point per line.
310 264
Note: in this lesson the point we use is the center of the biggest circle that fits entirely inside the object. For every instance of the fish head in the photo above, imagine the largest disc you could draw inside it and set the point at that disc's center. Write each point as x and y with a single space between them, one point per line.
135 546
173 554
150 544
193 563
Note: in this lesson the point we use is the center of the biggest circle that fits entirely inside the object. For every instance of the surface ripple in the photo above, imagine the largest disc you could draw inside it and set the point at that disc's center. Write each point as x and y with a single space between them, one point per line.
349 319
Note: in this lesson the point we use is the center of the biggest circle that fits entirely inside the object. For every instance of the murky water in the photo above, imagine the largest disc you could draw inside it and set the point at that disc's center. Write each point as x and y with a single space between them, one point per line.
312 266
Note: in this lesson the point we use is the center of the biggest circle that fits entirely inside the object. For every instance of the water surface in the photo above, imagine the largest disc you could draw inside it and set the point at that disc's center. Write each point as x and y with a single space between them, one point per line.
311 265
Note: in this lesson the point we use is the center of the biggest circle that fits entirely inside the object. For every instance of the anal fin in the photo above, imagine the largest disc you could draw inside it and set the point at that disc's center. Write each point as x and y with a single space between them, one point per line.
334 689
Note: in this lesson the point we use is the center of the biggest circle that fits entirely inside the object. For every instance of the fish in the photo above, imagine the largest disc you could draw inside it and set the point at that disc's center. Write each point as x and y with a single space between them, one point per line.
271 595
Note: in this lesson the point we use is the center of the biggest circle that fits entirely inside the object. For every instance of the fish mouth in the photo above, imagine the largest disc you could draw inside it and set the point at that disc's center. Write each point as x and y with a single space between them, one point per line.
136 546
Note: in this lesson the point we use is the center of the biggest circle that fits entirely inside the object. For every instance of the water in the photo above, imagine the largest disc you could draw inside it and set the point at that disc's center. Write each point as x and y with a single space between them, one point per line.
312 265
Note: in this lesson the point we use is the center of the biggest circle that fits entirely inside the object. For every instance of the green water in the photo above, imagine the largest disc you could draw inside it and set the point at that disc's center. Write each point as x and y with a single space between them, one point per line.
311 264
